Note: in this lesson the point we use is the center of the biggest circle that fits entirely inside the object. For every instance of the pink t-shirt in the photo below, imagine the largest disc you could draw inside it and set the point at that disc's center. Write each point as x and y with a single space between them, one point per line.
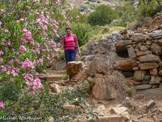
69 41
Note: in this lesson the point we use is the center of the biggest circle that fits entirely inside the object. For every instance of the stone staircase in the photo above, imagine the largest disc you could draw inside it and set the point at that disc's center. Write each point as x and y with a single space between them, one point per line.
57 84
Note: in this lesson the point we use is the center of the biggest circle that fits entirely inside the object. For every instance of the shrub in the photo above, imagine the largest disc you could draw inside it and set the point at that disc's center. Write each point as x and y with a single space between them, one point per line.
148 9
103 15
82 32
126 13
65 77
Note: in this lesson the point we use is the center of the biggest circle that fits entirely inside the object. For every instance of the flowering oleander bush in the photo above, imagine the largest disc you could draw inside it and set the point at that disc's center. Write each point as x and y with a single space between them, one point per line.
29 30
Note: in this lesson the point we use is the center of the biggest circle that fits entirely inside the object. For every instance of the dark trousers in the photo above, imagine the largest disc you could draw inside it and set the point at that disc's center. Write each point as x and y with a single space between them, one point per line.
70 55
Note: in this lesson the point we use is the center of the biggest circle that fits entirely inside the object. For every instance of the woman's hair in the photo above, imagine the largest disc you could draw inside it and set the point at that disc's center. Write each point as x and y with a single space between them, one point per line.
68 28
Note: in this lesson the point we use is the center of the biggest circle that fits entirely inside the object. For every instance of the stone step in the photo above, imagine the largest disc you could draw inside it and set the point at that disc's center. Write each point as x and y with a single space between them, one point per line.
52 72
54 78
62 82
110 118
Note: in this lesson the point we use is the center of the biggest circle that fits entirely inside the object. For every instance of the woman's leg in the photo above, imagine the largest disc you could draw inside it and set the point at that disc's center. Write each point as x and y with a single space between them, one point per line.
67 55
73 55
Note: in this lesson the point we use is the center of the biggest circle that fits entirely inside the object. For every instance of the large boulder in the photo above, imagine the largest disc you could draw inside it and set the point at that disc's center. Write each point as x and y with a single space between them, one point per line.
156 34
149 58
73 68
137 37
104 63
125 64
109 86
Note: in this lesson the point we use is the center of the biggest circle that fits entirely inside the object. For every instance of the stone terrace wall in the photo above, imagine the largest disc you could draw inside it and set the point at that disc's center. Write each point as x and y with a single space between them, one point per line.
142 58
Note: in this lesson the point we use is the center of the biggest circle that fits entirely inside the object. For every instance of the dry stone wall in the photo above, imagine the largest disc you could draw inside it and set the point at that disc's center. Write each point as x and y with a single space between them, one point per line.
144 58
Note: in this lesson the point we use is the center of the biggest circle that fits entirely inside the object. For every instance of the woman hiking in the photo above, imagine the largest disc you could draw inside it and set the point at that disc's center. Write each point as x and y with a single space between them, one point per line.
70 45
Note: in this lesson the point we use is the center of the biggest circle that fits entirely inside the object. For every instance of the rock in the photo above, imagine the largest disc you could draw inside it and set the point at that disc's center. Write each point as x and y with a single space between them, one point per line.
108 62
135 68
153 72
125 64
139 75
160 86
155 86
137 83
149 58
73 68
143 87
85 86
92 0
147 78
160 72
55 88
156 49
147 66
89 58
42 76
141 53
120 111
143 48
131 52
151 104
109 86
160 42
72 107
123 31
59 65
156 34
155 80
120 46
107 118
148 42
139 37
51 119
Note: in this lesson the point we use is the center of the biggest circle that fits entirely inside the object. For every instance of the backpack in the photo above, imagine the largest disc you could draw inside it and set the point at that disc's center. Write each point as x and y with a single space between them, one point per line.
70 46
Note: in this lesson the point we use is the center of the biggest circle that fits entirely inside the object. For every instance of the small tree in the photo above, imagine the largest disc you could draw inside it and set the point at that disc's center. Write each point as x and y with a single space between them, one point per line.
103 15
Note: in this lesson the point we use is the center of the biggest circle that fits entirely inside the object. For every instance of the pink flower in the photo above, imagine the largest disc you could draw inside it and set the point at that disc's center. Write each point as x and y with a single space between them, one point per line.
1 60
4 43
24 30
53 55
38 21
3 68
17 60
22 48
23 40
58 44
69 9
0 23
47 1
77 16
2 105
6 30
57 1
1 53
68 23
34 88
57 35
29 84
14 73
36 0
27 64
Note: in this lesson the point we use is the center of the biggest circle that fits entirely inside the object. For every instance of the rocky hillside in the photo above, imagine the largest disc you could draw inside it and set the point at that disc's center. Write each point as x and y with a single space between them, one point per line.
86 6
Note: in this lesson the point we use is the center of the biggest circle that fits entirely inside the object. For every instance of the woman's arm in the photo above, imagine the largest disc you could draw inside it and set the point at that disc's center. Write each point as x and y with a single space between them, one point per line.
78 48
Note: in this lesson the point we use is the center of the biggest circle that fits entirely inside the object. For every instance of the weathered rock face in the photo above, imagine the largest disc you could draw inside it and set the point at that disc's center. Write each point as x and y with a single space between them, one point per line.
73 68
109 86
